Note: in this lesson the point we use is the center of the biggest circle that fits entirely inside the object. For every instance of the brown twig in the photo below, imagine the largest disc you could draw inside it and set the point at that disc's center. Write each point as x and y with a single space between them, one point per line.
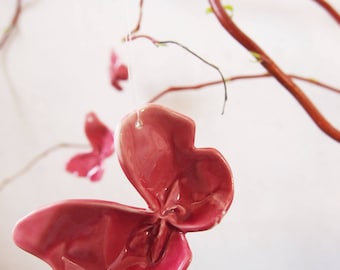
138 24
140 16
4 182
9 30
240 77
330 9
275 70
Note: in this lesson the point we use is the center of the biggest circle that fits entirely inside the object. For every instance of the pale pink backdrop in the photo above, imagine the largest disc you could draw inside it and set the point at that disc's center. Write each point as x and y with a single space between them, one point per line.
286 211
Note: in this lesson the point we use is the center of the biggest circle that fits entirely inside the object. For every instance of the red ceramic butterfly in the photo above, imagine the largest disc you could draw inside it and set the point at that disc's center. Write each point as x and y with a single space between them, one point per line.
187 189
101 139
118 71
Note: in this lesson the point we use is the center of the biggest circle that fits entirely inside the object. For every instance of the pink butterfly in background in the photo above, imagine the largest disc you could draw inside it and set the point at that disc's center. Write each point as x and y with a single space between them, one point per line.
187 189
118 71
101 139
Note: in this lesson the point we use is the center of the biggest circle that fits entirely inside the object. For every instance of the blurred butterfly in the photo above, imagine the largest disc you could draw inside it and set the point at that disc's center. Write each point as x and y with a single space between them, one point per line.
101 139
118 71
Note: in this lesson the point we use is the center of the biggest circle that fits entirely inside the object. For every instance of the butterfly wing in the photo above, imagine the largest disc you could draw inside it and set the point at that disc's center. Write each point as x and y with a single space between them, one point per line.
86 165
98 235
80 234
191 186
99 135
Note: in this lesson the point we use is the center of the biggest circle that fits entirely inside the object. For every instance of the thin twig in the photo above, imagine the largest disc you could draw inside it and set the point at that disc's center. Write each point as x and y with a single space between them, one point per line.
140 16
240 77
9 30
4 182
158 43
138 24
275 70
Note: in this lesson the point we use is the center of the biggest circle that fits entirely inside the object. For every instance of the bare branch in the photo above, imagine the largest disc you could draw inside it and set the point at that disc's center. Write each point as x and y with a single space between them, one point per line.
275 70
240 77
4 182
9 30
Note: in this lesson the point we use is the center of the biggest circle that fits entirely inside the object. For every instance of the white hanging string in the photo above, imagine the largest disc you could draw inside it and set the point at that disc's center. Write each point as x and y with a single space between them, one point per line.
129 21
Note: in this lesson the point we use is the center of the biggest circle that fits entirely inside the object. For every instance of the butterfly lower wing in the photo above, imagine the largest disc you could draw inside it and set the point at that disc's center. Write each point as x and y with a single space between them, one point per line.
86 165
80 234
177 255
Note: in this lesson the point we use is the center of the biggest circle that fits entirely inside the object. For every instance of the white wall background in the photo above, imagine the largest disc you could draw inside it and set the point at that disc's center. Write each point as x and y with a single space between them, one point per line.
287 172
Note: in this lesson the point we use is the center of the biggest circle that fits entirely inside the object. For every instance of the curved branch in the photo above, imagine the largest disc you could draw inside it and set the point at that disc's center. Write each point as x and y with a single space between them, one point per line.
140 15
330 9
12 25
138 24
275 70
240 77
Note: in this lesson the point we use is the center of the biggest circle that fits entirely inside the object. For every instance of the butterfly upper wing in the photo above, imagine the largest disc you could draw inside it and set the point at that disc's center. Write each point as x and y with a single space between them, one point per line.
99 135
191 186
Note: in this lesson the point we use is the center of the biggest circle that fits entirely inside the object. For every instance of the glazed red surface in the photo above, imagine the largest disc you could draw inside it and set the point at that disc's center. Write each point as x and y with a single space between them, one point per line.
189 187
186 188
